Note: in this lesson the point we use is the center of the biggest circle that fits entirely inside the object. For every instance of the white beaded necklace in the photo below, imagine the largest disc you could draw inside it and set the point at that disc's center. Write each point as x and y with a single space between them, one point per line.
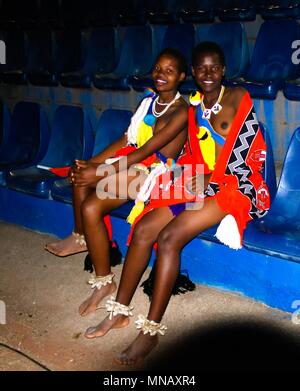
216 108
159 114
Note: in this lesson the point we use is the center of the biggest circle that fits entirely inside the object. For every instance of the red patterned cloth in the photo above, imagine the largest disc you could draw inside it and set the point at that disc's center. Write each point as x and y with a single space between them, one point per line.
236 181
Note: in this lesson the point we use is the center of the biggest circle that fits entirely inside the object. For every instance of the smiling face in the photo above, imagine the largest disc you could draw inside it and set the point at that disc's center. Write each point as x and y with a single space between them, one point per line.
208 71
166 74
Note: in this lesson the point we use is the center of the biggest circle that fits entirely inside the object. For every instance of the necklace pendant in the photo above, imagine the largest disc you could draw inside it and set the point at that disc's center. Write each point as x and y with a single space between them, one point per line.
216 108
206 114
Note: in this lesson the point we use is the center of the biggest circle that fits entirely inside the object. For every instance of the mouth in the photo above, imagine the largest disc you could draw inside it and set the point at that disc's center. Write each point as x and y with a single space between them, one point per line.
207 82
160 82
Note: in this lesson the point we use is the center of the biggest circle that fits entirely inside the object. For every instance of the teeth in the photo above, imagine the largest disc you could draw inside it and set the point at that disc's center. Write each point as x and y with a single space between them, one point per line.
207 82
160 81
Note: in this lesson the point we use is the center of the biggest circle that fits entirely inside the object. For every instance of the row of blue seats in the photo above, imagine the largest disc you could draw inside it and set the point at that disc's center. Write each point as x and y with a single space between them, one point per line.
65 13
27 146
119 60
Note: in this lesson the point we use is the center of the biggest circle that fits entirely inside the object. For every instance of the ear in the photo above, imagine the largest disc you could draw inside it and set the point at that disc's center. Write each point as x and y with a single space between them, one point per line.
182 76
193 72
224 70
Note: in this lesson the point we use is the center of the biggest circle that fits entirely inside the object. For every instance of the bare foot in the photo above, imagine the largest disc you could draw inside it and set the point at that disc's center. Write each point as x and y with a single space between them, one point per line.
65 247
92 303
138 350
117 322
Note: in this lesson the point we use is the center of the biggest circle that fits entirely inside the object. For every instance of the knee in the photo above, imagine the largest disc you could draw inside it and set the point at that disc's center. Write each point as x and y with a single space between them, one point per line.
168 240
90 209
142 233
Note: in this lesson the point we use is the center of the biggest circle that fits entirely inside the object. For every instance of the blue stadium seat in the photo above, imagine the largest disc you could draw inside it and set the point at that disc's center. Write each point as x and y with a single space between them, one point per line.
14 71
71 138
162 11
42 66
111 125
291 89
197 11
28 137
269 175
237 10
4 125
179 36
232 38
279 9
271 61
71 52
136 57
102 55
278 232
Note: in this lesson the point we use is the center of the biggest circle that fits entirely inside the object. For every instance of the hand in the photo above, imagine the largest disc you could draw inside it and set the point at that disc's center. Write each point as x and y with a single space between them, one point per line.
83 173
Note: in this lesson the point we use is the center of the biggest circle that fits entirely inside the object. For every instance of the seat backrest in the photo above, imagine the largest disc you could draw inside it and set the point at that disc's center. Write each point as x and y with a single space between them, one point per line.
111 125
28 134
103 51
269 172
137 54
41 51
272 54
71 137
71 49
232 38
286 205
181 37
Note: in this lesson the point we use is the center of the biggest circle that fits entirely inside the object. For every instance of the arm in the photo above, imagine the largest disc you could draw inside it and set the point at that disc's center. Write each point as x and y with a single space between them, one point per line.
166 134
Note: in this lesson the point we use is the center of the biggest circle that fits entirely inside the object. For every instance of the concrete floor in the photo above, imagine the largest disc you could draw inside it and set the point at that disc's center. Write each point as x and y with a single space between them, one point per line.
42 294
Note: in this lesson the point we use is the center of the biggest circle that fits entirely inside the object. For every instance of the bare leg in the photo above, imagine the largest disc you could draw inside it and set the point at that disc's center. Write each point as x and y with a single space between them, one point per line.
137 257
93 212
171 240
69 245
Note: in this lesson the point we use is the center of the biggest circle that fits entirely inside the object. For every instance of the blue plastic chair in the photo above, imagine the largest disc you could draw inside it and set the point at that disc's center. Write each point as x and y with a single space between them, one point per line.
111 126
279 9
237 10
71 138
71 52
28 137
14 71
42 66
136 57
197 11
271 62
278 233
102 55
179 36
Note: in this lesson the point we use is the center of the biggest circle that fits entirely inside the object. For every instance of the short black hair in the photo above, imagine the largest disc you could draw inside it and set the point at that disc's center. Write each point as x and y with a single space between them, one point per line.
208 47
179 57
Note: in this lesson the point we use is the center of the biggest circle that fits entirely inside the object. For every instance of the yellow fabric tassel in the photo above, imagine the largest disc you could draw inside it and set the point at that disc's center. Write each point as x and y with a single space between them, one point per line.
207 146
135 212
144 134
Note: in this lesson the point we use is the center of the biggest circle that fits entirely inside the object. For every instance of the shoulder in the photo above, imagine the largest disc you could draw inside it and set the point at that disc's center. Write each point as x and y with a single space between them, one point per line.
236 94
